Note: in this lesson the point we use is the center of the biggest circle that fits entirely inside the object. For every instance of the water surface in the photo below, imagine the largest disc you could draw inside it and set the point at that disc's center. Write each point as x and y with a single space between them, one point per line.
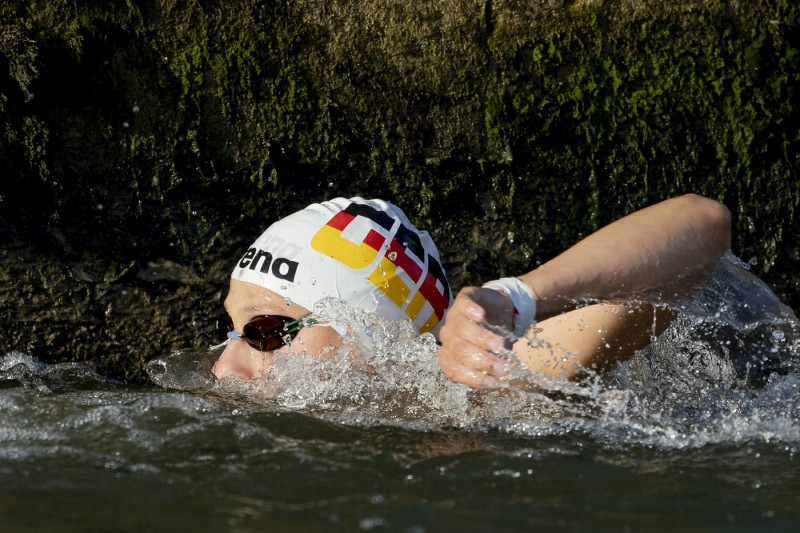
698 432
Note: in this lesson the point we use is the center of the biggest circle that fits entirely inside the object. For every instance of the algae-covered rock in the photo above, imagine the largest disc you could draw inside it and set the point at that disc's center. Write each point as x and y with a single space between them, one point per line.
159 132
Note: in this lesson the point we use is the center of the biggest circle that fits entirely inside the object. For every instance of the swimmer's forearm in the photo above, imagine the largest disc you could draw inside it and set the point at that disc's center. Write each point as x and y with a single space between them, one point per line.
671 240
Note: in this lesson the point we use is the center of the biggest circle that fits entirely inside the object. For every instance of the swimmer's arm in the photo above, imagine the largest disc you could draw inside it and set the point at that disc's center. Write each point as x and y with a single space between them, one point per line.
676 239
679 238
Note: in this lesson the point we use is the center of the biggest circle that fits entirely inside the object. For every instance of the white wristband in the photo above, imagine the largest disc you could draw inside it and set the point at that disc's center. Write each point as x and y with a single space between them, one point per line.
522 297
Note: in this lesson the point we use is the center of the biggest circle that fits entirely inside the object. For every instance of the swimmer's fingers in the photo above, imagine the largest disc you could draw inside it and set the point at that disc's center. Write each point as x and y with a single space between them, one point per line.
474 368
467 349
457 332
472 307
477 304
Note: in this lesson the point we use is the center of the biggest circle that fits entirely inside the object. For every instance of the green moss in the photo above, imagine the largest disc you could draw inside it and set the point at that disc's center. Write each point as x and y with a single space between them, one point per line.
509 129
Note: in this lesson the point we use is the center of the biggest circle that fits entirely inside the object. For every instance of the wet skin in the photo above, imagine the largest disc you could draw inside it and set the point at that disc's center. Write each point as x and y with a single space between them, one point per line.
244 302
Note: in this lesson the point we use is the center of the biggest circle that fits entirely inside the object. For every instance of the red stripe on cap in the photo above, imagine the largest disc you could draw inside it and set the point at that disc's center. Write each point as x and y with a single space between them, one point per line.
340 220
374 240
438 301
402 259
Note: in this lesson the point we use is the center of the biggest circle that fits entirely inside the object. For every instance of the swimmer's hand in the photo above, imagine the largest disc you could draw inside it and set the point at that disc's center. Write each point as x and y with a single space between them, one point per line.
468 350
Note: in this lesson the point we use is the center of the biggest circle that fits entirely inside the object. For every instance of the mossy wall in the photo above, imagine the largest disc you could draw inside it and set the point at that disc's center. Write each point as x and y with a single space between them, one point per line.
144 143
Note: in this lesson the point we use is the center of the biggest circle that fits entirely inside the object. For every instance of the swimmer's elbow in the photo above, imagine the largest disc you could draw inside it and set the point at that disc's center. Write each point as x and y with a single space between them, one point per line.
725 219
716 218
719 217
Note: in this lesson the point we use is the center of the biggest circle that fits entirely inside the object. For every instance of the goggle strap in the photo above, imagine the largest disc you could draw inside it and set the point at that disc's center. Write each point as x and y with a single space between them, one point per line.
296 325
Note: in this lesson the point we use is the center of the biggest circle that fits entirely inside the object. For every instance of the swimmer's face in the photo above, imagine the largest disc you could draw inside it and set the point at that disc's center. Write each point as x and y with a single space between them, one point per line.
246 301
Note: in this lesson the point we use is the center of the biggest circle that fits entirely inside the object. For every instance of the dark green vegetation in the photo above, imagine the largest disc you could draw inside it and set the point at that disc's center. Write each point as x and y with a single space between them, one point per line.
145 143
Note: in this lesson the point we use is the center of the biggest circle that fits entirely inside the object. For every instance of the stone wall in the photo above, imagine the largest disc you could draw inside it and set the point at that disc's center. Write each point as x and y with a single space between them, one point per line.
145 142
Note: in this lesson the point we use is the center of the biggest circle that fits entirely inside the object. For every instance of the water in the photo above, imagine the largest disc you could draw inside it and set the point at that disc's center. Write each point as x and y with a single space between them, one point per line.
698 432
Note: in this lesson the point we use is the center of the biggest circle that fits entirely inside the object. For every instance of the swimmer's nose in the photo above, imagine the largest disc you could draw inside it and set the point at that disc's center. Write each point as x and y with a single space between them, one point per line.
236 360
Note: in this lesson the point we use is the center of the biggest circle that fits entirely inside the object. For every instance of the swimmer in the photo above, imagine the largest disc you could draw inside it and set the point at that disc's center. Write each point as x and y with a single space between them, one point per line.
367 253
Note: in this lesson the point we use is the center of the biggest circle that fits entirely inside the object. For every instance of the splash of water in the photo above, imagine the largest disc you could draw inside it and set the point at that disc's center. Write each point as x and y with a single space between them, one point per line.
725 370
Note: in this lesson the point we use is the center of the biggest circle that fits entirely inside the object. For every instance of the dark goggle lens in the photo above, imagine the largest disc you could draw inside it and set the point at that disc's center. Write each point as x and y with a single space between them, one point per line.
268 332
224 325
264 333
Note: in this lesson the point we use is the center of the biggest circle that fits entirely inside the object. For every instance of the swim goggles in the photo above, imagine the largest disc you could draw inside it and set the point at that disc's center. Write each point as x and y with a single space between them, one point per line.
264 333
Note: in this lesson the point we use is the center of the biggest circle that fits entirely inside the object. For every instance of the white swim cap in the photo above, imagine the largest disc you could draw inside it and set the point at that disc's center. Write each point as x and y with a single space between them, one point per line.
365 252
